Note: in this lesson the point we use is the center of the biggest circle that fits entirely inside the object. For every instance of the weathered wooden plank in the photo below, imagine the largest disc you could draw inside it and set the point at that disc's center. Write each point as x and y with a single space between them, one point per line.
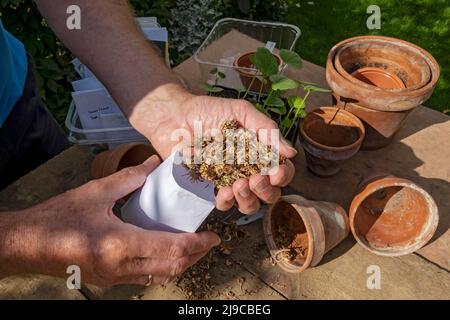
36 287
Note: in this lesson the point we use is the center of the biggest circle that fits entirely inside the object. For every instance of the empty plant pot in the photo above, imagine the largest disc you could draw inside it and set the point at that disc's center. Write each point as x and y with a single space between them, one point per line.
329 136
378 78
249 74
414 66
392 216
299 232
380 126
125 155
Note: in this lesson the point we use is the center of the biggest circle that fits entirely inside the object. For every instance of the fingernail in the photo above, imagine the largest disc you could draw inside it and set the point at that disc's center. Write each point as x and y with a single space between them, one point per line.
262 185
244 193
218 241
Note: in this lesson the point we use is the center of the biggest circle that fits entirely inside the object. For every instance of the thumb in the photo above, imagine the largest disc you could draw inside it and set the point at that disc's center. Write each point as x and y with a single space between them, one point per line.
127 180
256 120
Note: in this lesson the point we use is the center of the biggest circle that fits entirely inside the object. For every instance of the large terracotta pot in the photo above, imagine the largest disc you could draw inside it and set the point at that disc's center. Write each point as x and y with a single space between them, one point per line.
299 232
380 126
403 59
392 216
330 135
384 60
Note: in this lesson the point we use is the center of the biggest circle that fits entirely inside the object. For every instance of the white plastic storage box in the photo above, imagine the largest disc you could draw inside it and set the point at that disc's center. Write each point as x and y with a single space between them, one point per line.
231 38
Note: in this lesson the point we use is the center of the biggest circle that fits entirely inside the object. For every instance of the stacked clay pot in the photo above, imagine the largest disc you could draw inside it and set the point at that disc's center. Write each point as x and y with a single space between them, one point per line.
380 80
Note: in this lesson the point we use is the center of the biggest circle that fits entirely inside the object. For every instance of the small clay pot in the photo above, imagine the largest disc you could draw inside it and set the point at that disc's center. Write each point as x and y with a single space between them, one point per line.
310 228
380 126
329 136
248 76
392 216
379 78
404 58
125 155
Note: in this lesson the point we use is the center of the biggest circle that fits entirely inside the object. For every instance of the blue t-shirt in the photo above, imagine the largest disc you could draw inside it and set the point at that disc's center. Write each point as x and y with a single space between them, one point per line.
13 72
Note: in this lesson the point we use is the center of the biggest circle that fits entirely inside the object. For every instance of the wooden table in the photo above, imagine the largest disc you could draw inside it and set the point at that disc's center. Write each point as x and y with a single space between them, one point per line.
419 152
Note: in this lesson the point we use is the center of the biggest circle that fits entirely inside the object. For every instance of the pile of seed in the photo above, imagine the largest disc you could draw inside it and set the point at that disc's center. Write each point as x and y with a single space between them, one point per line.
224 167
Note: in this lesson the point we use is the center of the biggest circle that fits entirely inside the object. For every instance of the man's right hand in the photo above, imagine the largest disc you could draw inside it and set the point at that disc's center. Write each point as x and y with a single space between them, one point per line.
79 228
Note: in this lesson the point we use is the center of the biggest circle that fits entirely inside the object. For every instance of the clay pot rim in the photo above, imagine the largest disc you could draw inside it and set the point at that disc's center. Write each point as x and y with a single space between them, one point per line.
428 59
331 72
292 200
245 71
326 109
383 181
112 158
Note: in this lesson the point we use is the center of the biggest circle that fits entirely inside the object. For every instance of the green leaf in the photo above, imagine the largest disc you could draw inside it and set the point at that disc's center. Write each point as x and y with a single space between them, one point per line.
313 88
296 102
280 82
291 58
286 122
273 101
213 71
212 89
281 111
221 75
52 85
265 62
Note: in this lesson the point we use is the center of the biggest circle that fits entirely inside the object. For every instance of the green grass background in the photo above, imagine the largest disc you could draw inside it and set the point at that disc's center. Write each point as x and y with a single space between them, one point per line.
423 22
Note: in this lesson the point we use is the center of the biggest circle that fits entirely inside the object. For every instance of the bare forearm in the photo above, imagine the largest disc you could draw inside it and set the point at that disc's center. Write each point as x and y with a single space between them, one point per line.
111 44
16 242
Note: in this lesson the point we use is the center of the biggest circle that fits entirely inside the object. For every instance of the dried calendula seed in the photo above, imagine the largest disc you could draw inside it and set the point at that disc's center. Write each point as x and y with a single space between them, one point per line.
238 154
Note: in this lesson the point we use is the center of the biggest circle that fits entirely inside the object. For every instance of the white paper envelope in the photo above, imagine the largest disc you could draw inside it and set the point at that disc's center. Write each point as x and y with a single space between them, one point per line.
170 200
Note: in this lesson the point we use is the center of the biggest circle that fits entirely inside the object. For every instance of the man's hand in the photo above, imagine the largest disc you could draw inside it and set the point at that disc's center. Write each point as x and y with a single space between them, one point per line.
150 95
79 228
170 108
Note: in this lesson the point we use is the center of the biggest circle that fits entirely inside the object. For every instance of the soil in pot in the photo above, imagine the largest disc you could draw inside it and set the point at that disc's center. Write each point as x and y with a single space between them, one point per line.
392 216
330 135
290 234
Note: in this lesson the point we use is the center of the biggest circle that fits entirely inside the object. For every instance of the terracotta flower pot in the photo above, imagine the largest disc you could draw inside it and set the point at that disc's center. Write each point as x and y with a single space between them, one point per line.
330 135
300 232
380 126
378 78
392 216
125 155
398 57
396 66
244 65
